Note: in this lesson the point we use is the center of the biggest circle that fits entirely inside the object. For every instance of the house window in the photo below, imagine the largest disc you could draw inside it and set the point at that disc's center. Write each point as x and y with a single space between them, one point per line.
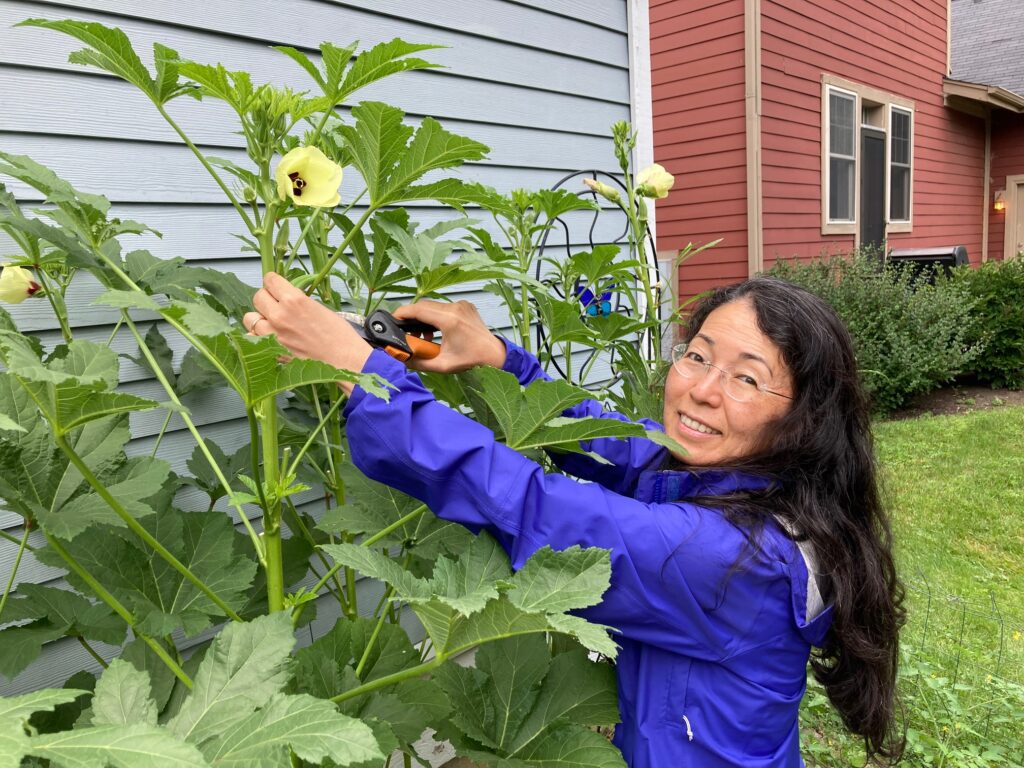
900 153
867 168
842 154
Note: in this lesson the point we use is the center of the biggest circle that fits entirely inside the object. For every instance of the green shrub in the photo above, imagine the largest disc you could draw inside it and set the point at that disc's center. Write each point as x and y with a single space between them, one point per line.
911 336
998 291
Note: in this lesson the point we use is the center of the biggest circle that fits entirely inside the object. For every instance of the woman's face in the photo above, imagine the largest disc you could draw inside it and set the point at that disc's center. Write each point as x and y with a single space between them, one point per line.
712 426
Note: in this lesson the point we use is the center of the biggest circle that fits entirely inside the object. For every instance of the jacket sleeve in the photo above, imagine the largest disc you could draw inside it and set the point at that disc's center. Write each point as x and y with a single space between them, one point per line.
629 457
670 562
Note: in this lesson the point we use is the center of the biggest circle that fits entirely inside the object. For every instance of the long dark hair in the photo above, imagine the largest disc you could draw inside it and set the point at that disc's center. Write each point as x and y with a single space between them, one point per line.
820 453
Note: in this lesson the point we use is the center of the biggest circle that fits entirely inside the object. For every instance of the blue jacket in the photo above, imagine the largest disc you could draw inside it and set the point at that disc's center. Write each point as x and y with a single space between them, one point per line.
707 676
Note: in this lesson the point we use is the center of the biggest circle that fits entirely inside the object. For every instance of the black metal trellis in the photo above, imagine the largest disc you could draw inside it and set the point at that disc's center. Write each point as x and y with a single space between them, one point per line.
645 341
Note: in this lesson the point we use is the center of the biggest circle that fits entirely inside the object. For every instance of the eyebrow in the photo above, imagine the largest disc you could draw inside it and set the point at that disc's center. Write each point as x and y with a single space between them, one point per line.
743 355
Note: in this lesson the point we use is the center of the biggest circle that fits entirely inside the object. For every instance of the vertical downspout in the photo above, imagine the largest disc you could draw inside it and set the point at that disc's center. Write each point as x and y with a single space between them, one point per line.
641 113
987 196
752 96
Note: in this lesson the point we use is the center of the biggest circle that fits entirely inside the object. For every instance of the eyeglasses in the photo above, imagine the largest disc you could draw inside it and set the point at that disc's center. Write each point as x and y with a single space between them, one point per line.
741 386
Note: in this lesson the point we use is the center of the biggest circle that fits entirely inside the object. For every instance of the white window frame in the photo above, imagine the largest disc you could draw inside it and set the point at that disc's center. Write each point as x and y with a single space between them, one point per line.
837 225
899 225
862 93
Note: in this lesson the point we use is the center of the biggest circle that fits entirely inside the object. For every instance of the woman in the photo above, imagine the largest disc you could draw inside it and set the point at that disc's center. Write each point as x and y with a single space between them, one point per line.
729 562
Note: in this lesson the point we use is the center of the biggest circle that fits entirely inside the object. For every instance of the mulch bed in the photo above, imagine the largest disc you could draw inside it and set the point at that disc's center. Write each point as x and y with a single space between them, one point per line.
959 398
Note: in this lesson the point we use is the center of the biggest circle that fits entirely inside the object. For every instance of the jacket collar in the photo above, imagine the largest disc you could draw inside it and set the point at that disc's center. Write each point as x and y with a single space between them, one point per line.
665 486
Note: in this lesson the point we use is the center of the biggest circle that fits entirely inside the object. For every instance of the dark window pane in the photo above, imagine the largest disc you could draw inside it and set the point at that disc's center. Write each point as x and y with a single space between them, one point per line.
840 199
842 127
899 194
900 151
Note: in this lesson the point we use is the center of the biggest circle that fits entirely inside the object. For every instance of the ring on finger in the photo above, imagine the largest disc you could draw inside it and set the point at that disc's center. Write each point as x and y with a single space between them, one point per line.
256 322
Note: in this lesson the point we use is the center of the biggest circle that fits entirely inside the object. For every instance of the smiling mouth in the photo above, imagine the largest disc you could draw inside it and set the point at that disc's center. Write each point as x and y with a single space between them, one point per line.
697 426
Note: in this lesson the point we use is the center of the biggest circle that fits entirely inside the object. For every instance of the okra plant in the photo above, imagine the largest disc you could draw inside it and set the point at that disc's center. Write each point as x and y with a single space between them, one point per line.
284 524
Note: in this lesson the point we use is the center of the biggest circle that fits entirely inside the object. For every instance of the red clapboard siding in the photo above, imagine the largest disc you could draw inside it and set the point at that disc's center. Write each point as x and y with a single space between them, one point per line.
699 126
1007 160
697 63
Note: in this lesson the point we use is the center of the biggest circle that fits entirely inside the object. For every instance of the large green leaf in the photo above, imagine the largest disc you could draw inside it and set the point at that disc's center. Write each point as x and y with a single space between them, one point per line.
111 50
555 582
246 665
123 697
120 746
131 485
383 59
520 413
251 365
161 599
391 157
67 610
371 506
327 668
73 389
312 728
14 715
519 704
531 418
465 584
22 645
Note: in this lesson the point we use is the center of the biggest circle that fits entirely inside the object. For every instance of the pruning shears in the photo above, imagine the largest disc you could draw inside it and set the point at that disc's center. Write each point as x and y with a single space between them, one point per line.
396 337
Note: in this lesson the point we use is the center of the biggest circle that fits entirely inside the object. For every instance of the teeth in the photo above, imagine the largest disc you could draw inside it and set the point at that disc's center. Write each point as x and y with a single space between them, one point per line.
687 421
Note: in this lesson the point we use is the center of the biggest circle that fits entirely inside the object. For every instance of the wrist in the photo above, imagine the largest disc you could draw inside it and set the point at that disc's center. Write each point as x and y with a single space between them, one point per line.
498 352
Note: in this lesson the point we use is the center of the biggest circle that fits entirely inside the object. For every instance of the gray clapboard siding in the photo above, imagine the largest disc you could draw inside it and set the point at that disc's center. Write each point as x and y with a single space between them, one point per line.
538 82
102 164
44 105
463 25
203 232
439 92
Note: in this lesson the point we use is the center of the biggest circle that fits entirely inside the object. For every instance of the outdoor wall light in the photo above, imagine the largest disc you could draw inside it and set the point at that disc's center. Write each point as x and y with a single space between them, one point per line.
1000 201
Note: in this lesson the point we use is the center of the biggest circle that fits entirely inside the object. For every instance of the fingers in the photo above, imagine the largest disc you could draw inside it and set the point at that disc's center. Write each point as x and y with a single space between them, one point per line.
279 288
430 312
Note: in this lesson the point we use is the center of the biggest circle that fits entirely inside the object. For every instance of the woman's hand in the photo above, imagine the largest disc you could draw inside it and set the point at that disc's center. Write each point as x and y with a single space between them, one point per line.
467 341
305 326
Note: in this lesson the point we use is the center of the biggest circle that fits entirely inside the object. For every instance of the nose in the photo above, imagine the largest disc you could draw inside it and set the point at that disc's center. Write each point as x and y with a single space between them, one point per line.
708 388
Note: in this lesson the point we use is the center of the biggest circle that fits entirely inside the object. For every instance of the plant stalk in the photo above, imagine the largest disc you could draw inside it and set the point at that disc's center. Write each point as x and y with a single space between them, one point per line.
395 677
119 609
151 359
140 531
266 414
206 164
326 269
14 569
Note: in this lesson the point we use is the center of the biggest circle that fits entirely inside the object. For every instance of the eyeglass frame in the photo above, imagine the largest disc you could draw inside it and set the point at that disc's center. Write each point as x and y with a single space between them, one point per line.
723 374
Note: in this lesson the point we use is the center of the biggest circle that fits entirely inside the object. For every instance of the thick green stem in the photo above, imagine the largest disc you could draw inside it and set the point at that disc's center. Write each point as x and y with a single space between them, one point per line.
15 540
274 565
326 269
396 677
65 330
266 413
206 164
92 652
313 434
151 359
373 636
294 521
369 542
314 216
119 609
140 531
14 569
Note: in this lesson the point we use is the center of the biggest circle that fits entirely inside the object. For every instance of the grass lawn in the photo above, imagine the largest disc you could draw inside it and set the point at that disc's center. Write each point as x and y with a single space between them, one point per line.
955 489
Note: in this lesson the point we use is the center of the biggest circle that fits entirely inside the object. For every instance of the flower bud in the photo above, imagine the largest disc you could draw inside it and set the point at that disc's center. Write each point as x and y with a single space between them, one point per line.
16 284
308 177
654 181
608 193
